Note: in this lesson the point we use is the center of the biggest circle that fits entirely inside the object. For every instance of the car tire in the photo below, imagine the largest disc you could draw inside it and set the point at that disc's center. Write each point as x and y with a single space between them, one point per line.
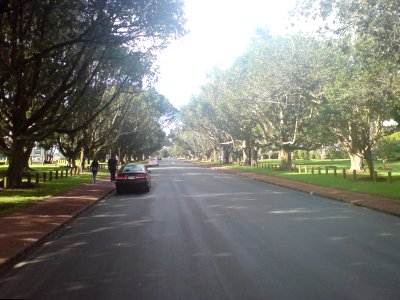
118 190
147 189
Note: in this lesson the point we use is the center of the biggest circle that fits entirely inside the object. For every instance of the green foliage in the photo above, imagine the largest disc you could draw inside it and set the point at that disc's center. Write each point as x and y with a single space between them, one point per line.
388 148
165 153
64 63
337 152
269 99
301 154
12 199
365 91
334 92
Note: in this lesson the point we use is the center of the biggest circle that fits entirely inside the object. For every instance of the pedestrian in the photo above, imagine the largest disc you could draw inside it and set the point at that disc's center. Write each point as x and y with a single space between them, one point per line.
112 166
94 167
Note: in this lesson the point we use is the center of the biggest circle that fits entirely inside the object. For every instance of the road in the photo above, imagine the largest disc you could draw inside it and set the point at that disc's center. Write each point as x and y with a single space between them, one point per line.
201 234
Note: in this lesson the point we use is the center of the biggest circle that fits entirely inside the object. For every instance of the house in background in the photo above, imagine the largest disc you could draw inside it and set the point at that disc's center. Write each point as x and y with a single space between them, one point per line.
37 154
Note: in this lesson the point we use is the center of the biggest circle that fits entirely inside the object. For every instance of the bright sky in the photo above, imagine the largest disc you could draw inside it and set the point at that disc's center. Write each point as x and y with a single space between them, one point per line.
219 32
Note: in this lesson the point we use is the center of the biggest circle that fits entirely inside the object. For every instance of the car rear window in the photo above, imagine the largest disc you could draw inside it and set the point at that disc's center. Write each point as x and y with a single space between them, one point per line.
133 168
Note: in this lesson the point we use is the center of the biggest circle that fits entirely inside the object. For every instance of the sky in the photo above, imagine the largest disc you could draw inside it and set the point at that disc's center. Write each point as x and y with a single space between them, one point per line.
219 32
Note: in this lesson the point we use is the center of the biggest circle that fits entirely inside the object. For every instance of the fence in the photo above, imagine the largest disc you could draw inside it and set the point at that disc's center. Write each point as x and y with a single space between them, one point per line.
325 170
46 176
63 162
55 174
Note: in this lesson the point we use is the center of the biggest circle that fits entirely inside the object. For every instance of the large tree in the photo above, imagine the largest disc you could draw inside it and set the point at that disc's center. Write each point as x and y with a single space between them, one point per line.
377 19
230 113
143 119
202 115
51 51
358 102
363 95
282 85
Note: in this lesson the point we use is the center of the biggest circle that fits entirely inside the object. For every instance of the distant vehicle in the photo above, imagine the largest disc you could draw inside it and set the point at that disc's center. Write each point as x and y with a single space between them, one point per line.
153 163
131 177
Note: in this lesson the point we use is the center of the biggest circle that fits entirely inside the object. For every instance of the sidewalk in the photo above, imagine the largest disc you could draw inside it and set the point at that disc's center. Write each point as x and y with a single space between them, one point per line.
23 230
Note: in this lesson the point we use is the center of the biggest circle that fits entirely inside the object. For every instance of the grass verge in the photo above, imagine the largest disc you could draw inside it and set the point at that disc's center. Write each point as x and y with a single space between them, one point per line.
12 199
363 182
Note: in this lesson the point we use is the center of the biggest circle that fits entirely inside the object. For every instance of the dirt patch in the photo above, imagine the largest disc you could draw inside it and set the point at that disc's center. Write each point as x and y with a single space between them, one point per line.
385 168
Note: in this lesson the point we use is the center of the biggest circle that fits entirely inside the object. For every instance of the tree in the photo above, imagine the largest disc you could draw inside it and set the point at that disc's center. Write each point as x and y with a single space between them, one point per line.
359 101
368 79
231 112
191 144
364 19
142 120
388 148
202 116
52 50
105 97
282 85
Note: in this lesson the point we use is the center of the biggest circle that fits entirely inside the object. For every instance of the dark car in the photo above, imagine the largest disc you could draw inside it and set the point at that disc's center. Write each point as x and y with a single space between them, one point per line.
133 177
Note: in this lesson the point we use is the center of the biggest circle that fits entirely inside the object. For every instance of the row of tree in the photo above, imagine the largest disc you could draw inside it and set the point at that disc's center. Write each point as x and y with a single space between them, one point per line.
73 72
304 92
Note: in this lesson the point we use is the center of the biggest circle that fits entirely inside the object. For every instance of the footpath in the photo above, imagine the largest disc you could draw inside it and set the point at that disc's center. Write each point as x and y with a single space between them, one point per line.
22 231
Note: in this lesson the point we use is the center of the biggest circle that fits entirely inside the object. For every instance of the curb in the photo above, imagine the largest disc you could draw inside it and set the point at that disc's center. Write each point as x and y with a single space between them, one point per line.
392 208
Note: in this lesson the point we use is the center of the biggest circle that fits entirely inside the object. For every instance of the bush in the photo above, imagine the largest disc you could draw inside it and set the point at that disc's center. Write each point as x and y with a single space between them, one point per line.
388 147
301 154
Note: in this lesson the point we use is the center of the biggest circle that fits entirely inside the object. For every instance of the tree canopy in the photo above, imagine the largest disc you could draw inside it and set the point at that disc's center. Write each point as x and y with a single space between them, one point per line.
59 57
304 92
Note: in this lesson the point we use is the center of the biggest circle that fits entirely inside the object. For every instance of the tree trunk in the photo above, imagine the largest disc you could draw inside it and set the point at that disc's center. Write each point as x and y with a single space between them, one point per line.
82 157
370 162
246 153
215 155
17 163
225 154
286 158
254 155
28 147
324 153
357 162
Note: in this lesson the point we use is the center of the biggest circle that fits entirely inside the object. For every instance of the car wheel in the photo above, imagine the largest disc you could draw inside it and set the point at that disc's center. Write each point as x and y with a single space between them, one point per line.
147 189
118 190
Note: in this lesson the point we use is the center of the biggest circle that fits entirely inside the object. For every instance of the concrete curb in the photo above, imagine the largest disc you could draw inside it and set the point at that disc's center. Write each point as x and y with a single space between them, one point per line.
378 203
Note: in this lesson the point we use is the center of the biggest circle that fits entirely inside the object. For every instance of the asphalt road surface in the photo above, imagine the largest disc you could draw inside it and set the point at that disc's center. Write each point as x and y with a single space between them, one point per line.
201 234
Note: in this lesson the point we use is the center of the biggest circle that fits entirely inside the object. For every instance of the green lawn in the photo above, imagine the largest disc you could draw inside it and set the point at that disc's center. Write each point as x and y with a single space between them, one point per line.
12 199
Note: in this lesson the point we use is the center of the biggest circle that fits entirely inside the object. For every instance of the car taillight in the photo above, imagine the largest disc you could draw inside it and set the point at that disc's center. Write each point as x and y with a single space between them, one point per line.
141 176
122 177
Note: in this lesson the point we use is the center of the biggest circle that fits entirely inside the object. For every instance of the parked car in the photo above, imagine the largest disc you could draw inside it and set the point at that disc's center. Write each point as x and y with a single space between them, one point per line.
153 163
131 177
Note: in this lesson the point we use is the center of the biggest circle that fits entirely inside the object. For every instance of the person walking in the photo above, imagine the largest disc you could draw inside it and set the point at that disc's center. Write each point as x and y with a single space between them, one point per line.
112 166
94 167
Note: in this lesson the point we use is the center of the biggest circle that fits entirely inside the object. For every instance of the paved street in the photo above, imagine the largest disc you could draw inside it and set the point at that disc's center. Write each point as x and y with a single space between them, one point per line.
202 234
